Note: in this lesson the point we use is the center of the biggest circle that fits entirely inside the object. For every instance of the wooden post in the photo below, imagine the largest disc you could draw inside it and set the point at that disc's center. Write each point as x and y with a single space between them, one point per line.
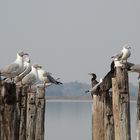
8 112
102 114
98 118
108 117
31 120
40 113
121 104
21 114
138 116
23 107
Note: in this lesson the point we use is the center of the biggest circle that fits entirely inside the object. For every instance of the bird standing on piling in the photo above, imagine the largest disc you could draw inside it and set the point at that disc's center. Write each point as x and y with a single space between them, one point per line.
15 68
94 82
94 88
123 55
27 69
32 77
93 79
45 77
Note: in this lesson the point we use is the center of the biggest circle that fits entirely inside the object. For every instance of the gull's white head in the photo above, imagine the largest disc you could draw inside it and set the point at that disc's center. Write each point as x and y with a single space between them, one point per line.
21 53
126 46
27 59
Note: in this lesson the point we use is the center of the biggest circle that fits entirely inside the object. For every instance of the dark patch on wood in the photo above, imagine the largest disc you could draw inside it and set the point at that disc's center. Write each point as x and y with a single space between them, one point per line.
8 116
9 93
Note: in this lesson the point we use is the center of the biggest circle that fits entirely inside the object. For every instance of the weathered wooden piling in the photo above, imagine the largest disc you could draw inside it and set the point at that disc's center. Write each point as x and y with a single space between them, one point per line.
21 113
98 118
8 116
138 115
102 115
108 117
103 122
31 116
97 114
23 106
121 104
40 113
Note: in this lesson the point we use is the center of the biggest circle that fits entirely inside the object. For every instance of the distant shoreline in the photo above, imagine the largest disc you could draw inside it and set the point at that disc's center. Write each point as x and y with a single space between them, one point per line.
68 98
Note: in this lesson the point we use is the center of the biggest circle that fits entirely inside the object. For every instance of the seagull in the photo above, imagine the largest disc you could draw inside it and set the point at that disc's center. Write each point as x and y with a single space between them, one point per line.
15 68
123 55
45 77
32 77
27 69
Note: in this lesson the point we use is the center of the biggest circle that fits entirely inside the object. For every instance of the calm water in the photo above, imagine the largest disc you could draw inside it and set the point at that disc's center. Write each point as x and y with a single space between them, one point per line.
71 120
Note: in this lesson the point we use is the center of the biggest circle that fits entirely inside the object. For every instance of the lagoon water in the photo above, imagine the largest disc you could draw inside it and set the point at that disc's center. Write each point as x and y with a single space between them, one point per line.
71 120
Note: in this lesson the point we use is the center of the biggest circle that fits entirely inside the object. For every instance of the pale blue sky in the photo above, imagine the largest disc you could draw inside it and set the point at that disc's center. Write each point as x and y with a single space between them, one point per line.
70 37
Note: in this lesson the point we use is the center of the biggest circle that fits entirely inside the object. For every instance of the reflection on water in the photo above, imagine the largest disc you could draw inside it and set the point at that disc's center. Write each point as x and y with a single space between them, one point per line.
72 120
133 120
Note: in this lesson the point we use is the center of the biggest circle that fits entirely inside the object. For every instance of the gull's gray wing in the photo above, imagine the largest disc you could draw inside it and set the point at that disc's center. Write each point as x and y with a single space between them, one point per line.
45 74
50 79
26 71
29 79
10 69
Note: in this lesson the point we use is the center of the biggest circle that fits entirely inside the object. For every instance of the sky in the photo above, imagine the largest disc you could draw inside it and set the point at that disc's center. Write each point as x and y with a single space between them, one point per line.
70 38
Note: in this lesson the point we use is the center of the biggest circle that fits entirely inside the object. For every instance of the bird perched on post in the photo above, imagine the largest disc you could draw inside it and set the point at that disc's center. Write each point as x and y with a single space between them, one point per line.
15 68
45 77
93 79
123 55
27 69
94 88
94 82
32 77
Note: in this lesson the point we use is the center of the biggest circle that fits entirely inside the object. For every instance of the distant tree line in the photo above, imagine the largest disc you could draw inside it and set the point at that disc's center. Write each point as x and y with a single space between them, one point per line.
78 89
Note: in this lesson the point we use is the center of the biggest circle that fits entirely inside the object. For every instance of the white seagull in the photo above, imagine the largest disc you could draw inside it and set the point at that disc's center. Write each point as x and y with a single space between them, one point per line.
45 77
32 77
14 68
27 69
123 55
